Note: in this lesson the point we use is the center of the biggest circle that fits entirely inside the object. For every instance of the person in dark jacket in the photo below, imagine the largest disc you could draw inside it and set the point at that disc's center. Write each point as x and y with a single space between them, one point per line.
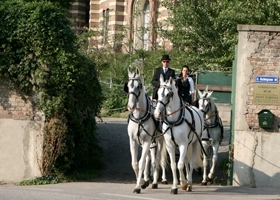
185 85
165 70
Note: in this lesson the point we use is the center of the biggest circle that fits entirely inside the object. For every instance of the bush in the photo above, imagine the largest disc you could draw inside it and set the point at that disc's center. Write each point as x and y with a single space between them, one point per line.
39 57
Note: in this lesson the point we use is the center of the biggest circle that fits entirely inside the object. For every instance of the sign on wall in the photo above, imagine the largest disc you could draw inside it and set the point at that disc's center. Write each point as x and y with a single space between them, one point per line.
266 94
266 79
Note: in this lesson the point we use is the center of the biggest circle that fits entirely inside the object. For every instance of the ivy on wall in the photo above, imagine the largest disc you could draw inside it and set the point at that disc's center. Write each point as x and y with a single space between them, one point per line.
40 59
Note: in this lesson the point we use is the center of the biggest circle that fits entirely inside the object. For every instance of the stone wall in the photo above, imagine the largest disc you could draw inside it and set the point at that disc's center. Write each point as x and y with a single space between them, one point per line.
265 60
256 149
21 137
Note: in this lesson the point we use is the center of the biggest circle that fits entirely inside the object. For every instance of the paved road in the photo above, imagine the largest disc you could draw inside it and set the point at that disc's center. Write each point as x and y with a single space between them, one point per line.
117 180
113 137
121 191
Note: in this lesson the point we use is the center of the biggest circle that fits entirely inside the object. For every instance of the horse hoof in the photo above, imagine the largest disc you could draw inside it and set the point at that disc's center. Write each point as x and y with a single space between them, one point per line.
203 183
209 180
174 191
137 190
164 182
146 184
184 187
189 188
154 186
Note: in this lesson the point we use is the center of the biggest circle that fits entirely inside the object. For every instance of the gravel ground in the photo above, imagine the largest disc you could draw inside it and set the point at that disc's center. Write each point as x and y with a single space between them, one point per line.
112 133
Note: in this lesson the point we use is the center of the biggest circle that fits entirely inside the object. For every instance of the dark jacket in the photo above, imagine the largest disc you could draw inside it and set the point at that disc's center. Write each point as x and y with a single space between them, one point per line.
155 81
183 88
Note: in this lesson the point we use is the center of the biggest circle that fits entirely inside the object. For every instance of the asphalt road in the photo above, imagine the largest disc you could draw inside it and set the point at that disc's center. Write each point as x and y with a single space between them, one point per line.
121 191
112 133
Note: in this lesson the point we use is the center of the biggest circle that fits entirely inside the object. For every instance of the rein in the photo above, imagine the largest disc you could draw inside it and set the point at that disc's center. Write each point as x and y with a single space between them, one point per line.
167 115
145 111
216 113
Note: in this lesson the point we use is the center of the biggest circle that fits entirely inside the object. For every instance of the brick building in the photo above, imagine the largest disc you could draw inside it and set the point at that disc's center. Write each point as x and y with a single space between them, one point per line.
125 24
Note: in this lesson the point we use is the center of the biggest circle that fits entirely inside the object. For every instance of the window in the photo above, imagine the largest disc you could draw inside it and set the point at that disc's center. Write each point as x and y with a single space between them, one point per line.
141 25
105 25
146 18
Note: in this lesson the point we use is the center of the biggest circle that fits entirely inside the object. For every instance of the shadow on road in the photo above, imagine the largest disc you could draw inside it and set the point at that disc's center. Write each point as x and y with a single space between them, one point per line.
113 137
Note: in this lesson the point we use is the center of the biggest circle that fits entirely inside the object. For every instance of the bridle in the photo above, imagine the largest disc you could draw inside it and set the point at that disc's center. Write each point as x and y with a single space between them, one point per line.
169 95
206 109
140 87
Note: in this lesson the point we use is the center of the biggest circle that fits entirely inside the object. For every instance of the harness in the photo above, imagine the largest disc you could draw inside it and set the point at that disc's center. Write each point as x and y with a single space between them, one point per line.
182 119
217 121
141 120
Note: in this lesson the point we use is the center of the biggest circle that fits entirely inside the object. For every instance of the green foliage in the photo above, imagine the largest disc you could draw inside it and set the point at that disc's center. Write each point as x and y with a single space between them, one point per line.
40 59
116 100
48 179
65 4
206 31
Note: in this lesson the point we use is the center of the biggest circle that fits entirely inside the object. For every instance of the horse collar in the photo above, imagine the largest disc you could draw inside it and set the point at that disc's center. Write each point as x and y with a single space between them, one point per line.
145 117
180 119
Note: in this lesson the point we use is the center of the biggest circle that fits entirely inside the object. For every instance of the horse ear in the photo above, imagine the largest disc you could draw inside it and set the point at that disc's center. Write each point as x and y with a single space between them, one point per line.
130 73
210 93
137 71
199 93
161 79
170 80
206 90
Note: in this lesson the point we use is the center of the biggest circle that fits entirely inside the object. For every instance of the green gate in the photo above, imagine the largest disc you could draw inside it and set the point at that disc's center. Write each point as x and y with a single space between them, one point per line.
219 82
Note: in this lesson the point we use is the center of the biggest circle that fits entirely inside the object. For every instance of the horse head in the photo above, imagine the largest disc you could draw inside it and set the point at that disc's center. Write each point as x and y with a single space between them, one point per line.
205 102
135 89
165 92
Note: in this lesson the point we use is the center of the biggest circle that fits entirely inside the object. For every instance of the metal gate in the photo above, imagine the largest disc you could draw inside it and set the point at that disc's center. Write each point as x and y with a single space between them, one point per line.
219 82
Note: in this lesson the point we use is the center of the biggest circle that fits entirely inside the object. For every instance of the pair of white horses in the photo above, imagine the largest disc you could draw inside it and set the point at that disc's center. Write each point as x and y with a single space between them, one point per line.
168 126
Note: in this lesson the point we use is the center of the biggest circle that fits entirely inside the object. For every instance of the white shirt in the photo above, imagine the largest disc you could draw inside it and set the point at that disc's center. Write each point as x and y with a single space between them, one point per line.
191 84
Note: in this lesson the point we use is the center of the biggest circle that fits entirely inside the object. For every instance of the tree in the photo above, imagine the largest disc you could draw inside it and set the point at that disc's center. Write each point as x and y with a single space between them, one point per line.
64 4
206 31
40 59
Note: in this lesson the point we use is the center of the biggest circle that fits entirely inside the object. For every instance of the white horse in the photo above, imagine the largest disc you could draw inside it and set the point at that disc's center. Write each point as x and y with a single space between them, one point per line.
212 134
182 127
143 131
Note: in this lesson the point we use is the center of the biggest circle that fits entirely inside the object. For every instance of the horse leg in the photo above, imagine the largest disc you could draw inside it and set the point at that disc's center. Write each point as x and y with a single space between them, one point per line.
134 163
163 160
141 166
195 154
181 165
171 152
215 148
154 163
147 171
205 163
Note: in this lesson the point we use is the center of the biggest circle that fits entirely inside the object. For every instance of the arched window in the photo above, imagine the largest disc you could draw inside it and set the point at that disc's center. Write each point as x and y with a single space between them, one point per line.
141 24
105 25
146 18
